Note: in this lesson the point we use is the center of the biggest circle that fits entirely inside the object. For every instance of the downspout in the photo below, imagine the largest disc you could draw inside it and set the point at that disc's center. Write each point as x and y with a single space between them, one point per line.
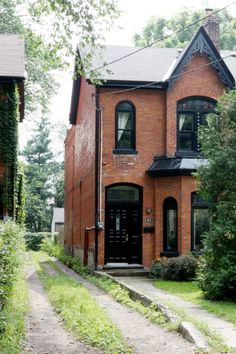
96 172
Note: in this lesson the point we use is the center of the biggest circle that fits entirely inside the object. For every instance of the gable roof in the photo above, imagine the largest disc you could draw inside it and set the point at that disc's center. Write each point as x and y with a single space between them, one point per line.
12 63
202 43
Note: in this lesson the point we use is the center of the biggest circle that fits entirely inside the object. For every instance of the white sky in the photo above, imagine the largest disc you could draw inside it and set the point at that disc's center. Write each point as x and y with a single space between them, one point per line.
134 16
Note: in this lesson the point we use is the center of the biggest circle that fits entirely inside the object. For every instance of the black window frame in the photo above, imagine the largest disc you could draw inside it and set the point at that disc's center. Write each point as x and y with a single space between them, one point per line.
169 203
199 203
119 149
198 120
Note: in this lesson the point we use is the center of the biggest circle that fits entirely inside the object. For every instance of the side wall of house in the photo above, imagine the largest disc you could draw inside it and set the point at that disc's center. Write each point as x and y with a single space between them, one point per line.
80 176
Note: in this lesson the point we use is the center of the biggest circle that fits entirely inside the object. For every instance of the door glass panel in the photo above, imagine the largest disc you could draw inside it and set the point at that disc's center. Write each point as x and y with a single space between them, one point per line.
117 223
171 230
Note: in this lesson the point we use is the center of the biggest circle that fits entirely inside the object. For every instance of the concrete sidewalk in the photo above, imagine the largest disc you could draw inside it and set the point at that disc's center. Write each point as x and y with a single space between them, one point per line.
142 286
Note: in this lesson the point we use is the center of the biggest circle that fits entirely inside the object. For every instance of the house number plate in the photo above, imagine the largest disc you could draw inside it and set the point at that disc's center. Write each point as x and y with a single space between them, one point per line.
149 221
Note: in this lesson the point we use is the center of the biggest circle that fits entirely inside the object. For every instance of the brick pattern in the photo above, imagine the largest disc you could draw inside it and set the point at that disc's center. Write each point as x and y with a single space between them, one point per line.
155 135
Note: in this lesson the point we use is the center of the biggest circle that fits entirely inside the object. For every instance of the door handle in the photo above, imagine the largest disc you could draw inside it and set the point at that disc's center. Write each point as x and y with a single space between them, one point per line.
127 238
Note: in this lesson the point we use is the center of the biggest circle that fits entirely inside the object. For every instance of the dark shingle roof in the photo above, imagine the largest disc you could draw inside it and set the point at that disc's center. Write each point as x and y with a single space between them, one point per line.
150 64
12 64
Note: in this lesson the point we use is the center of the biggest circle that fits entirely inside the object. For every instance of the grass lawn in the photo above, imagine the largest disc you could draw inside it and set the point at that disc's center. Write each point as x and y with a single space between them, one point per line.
189 291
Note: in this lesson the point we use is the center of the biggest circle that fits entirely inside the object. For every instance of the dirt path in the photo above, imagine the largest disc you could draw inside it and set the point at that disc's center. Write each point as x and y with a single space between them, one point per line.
44 332
140 333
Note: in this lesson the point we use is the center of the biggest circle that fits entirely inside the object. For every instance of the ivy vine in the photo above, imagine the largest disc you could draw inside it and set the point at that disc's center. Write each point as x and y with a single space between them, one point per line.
11 187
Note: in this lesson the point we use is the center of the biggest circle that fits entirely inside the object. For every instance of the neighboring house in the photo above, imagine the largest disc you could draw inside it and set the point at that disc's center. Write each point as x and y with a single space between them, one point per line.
12 70
57 219
130 196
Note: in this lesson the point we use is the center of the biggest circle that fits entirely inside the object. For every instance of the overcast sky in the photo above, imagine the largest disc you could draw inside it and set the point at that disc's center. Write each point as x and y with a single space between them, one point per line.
134 16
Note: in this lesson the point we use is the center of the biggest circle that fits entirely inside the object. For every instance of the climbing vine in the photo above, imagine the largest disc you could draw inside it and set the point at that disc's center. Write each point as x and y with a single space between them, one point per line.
11 182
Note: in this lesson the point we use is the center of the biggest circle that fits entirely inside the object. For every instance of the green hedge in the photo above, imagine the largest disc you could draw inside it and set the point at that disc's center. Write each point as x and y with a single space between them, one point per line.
11 248
176 268
34 240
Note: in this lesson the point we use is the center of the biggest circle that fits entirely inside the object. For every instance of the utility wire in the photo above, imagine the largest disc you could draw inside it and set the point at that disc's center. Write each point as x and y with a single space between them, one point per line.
171 77
159 40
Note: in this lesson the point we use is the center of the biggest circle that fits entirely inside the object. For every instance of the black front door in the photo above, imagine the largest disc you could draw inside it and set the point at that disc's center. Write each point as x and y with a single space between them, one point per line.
123 233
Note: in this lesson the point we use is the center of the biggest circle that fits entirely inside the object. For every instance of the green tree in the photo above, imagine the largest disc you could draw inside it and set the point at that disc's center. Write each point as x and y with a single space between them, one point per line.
39 191
158 27
51 49
218 186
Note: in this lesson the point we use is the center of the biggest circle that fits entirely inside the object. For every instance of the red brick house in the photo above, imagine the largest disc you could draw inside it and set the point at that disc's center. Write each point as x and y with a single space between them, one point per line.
132 148
12 71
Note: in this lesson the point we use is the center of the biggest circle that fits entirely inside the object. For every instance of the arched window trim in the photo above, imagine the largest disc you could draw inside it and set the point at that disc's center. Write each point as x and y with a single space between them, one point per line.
196 117
120 149
169 203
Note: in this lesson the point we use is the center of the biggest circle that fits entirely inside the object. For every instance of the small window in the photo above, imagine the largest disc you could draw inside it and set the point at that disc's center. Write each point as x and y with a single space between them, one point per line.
200 221
170 225
191 113
123 193
125 127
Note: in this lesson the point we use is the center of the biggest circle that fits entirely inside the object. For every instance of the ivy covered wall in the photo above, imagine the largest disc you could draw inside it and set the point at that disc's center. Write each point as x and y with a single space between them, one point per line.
11 180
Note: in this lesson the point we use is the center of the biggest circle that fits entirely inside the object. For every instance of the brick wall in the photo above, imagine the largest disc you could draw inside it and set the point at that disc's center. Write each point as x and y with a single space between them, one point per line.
80 173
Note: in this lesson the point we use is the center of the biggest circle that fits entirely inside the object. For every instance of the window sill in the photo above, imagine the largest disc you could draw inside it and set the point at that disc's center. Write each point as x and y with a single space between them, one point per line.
169 254
125 152
183 153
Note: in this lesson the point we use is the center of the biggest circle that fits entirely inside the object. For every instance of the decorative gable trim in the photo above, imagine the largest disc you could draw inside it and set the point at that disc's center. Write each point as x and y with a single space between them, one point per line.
202 44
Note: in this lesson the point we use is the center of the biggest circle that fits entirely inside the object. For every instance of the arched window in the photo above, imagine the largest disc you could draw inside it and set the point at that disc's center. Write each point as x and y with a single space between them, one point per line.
200 221
191 113
170 225
125 128
123 193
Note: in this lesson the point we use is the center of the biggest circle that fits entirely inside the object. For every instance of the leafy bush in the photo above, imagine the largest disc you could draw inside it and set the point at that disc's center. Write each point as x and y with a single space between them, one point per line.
34 239
11 248
175 268
49 246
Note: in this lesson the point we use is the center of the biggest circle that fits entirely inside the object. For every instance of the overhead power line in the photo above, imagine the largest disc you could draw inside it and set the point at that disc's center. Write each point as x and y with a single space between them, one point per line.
159 40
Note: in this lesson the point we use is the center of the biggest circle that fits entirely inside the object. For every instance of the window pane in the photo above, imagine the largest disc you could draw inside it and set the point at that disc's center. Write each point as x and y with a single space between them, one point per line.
205 119
124 139
171 230
186 121
125 120
185 141
123 193
200 225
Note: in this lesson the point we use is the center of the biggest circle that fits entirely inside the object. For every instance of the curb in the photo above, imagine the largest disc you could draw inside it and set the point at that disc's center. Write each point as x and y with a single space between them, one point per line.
186 329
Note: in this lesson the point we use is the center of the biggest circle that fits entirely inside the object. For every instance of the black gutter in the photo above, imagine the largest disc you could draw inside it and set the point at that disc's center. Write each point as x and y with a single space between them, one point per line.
133 84
97 116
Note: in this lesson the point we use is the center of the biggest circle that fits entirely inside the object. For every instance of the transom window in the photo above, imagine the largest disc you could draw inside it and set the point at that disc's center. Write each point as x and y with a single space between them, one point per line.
191 113
200 221
123 193
125 127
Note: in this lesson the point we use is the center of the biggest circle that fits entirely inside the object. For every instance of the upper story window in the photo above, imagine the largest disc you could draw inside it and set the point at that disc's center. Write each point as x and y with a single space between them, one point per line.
125 128
191 113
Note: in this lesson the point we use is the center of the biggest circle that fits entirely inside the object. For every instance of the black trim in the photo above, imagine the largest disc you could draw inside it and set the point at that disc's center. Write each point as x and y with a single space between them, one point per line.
150 85
171 173
149 230
74 100
169 254
97 125
132 130
125 152
169 203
